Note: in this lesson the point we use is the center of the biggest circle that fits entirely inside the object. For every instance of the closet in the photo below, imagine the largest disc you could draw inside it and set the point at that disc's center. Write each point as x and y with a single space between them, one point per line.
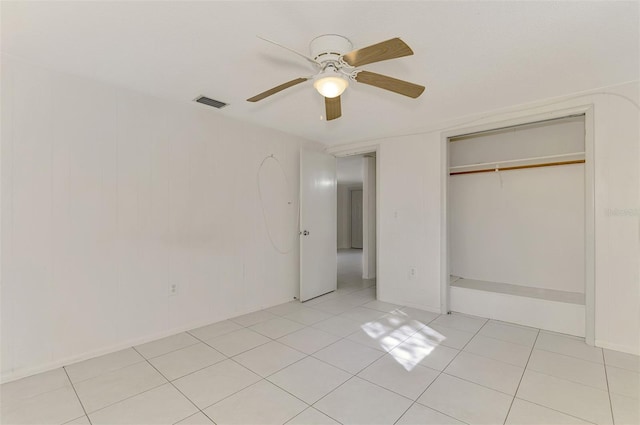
517 224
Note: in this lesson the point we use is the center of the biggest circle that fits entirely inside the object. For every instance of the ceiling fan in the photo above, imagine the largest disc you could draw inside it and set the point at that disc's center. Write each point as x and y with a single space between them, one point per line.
337 64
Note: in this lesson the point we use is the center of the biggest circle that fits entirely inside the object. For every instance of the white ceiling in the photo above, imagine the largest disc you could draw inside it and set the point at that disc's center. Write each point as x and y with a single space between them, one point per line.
349 169
472 56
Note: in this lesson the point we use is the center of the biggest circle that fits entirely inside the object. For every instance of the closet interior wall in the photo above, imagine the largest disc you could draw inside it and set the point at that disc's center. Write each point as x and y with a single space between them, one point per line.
519 231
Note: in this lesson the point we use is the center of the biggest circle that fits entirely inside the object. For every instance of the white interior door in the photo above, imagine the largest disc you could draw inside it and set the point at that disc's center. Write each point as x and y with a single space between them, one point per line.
318 224
356 219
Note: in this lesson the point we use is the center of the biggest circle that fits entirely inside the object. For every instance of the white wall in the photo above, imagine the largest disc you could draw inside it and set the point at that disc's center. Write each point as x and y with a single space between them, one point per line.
411 210
369 218
109 196
524 227
409 214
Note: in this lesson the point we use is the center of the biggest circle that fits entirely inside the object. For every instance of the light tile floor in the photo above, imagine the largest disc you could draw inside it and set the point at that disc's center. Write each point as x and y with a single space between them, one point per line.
342 358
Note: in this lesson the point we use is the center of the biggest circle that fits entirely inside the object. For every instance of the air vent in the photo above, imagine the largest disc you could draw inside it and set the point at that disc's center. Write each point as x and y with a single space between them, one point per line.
211 102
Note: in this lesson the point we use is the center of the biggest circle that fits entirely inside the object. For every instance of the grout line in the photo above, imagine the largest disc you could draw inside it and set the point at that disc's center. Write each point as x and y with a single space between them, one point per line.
78 397
127 398
168 352
138 361
569 355
557 411
508 342
606 378
521 378
442 371
176 388
311 407
260 376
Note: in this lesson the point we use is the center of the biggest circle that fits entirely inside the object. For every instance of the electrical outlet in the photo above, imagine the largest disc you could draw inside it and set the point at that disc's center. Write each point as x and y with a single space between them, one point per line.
412 273
173 289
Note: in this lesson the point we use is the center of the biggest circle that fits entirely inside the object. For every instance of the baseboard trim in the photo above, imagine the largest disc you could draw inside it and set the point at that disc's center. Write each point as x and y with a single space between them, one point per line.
26 372
618 347
412 305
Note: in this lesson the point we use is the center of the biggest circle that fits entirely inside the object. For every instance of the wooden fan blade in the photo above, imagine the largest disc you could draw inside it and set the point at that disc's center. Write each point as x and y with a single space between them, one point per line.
397 86
333 107
276 89
390 49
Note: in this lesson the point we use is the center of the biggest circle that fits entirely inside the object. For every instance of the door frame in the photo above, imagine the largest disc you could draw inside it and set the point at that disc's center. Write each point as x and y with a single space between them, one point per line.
588 111
374 148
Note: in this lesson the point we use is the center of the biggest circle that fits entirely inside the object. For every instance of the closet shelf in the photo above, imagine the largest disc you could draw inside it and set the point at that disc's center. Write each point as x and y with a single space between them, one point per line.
520 291
539 161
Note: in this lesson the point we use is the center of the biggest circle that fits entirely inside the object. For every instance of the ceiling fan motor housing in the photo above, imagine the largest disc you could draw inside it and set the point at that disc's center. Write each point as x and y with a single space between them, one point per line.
329 48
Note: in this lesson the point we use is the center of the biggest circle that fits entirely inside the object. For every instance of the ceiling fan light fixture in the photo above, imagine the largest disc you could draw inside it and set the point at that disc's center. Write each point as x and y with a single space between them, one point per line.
331 86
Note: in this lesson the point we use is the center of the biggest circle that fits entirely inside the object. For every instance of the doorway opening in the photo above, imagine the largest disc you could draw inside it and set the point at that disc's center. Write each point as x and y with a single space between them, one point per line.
356 221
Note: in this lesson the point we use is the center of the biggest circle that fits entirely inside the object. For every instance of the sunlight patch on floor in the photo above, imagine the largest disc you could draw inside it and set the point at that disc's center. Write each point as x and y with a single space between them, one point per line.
391 330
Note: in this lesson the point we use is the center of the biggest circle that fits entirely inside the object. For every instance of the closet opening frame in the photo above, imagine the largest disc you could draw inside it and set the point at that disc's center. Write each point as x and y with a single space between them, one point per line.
589 139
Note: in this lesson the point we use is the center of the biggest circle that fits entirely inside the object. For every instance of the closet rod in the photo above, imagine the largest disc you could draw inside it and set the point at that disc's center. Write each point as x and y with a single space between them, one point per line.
518 167
510 161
